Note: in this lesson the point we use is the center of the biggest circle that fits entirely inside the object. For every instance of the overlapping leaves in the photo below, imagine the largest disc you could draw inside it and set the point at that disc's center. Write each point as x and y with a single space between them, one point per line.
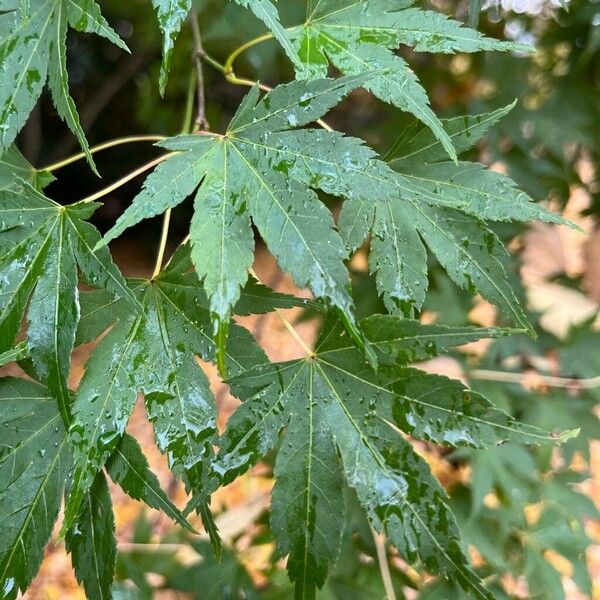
359 37
42 245
252 175
443 206
341 420
153 352
33 50
261 172
35 459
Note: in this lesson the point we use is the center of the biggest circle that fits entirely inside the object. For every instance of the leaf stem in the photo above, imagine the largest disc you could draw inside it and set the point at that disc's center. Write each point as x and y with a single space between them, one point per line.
384 568
108 144
185 128
124 180
201 120
231 77
228 67
292 330
163 243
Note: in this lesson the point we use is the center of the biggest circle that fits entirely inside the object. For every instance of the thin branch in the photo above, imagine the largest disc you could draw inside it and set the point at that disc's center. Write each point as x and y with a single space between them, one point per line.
550 381
109 144
128 177
231 77
201 121
384 567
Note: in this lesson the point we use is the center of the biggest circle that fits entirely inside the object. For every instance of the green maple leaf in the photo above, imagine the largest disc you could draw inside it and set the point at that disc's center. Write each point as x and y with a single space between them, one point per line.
443 206
467 186
359 37
341 420
254 175
153 352
34 463
172 13
42 244
33 50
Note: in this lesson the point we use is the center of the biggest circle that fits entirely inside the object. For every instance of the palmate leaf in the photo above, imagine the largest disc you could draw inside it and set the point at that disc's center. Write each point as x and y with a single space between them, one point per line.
466 186
443 206
34 463
249 177
33 51
172 13
359 37
334 406
153 352
45 244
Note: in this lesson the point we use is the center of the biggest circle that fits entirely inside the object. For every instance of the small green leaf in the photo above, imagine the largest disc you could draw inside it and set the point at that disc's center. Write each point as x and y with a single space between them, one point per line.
14 354
92 544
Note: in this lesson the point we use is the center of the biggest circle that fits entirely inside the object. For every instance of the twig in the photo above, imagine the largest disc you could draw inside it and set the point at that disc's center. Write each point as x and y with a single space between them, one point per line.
201 121
384 568
109 144
550 381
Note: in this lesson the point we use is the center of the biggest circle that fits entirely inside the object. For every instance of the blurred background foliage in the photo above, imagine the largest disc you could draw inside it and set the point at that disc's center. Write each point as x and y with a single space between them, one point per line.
529 515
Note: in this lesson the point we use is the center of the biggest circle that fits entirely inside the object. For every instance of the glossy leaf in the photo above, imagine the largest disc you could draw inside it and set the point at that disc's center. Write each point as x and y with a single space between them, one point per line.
39 278
359 37
33 51
160 343
34 463
333 404
91 542
469 187
242 185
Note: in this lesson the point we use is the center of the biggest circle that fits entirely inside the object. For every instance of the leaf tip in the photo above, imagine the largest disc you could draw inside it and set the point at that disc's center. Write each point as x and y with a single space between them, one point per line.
565 436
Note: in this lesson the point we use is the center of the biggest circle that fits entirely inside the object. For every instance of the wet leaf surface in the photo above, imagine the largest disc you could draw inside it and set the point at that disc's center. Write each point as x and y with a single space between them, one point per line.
33 51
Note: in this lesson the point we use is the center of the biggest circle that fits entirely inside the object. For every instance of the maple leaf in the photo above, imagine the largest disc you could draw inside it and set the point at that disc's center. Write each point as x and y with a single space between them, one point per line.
467 186
359 37
35 461
341 420
33 50
14 166
153 352
248 176
41 246
441 205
